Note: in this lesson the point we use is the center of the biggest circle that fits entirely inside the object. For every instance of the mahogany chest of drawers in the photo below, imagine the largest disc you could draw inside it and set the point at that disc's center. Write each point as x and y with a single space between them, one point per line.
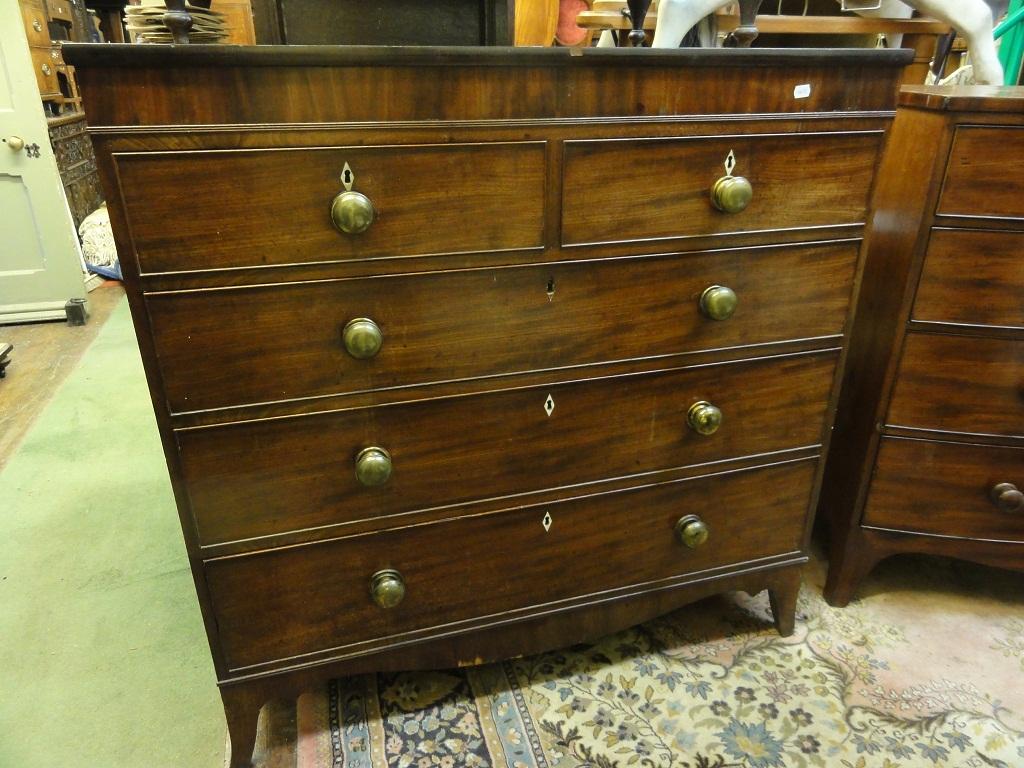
929 441
461 354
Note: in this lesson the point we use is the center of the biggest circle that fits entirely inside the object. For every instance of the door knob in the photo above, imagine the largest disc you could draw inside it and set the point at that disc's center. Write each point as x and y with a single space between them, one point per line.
387 588
704 418
362 338
15 142
373 466
1007 497
692 531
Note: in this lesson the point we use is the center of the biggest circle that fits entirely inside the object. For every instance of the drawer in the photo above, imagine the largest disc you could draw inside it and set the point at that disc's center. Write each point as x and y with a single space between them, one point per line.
285 603
36 30
972 277
635 189
273 206
960 384
45 66
985 173
60 10
250 479
947 489
227 347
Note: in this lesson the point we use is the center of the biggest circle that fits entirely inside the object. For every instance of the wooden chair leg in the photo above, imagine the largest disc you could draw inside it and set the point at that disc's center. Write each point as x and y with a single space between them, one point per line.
242 711
782 595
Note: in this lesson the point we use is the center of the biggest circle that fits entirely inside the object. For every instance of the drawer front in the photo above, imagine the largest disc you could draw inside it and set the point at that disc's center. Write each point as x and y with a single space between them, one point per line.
972 277
36 30
257 478
947 489
45 66
960 384
230 347
655 189
273 206
285 603
985 173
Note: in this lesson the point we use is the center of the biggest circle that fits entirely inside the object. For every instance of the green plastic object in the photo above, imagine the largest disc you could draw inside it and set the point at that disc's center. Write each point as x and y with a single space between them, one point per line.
1011 51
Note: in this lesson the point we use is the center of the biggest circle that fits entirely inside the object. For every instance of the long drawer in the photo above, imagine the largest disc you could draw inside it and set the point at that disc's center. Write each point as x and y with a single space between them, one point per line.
228 347
637 189
973 277
282 604
948 489
960 384
273 206
257 478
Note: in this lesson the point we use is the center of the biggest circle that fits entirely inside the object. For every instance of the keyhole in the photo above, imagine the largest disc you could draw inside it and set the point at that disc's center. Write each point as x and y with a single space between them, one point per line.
348 176
551 288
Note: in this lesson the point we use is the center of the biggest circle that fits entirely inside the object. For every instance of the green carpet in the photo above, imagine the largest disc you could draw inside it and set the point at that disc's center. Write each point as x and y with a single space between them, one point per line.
102 652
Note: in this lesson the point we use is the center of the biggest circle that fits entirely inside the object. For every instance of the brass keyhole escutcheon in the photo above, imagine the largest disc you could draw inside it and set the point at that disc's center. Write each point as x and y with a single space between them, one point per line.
352 212
387 588
704 418
692 531
362 338
373 466
718 302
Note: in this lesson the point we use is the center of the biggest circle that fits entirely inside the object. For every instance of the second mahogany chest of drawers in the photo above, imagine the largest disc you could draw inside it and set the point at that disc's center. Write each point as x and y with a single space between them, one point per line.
461 354
929 444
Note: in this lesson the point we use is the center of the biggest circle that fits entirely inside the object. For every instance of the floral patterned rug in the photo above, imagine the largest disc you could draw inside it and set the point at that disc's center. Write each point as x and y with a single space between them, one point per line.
925 669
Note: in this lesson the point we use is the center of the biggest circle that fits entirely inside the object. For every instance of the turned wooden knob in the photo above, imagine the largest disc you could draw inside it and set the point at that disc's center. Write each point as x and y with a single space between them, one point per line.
1007 497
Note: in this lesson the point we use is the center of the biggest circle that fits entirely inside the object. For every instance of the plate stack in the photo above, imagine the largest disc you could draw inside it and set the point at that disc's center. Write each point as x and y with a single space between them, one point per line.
145 23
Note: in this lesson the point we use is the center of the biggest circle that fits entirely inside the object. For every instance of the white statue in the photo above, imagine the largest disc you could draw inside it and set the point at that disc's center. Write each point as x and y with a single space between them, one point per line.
971 18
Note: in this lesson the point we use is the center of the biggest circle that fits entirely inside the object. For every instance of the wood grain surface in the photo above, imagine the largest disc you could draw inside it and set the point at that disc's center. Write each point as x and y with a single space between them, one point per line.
943 489
639 190
985 175
972 277
454 325
282 603
251 479
428 199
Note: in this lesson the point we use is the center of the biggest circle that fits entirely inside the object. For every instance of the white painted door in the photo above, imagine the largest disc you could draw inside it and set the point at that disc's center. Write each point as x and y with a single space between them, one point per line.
40 258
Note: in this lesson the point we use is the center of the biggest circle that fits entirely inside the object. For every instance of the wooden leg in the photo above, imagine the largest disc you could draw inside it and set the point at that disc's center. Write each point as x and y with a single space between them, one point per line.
849 562
782 595
242 711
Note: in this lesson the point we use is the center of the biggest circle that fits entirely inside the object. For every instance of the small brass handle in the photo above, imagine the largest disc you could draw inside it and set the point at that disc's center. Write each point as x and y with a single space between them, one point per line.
352 212
362 338
373 466
692 531
731 194
704 418
1007 497
387 588
718 302
46 69
37 26
16 143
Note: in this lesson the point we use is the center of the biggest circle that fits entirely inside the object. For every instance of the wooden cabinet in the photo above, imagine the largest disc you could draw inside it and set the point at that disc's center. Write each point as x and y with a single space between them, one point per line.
929 442
456 354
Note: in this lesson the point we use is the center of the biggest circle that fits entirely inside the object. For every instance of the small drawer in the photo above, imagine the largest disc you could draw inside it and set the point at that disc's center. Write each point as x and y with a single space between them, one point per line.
985 173
474 568
472 323
643 189
948 489
972 277
45 66
60 10
257 478
35 24
960 384
274 206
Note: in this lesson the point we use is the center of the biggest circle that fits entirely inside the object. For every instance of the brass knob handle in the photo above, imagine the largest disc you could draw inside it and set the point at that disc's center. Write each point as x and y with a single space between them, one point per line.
731 194
692 531
373 466
37 25
362 338
46 69
718 302
1007 497
704 418
16 143
352 212
387 588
